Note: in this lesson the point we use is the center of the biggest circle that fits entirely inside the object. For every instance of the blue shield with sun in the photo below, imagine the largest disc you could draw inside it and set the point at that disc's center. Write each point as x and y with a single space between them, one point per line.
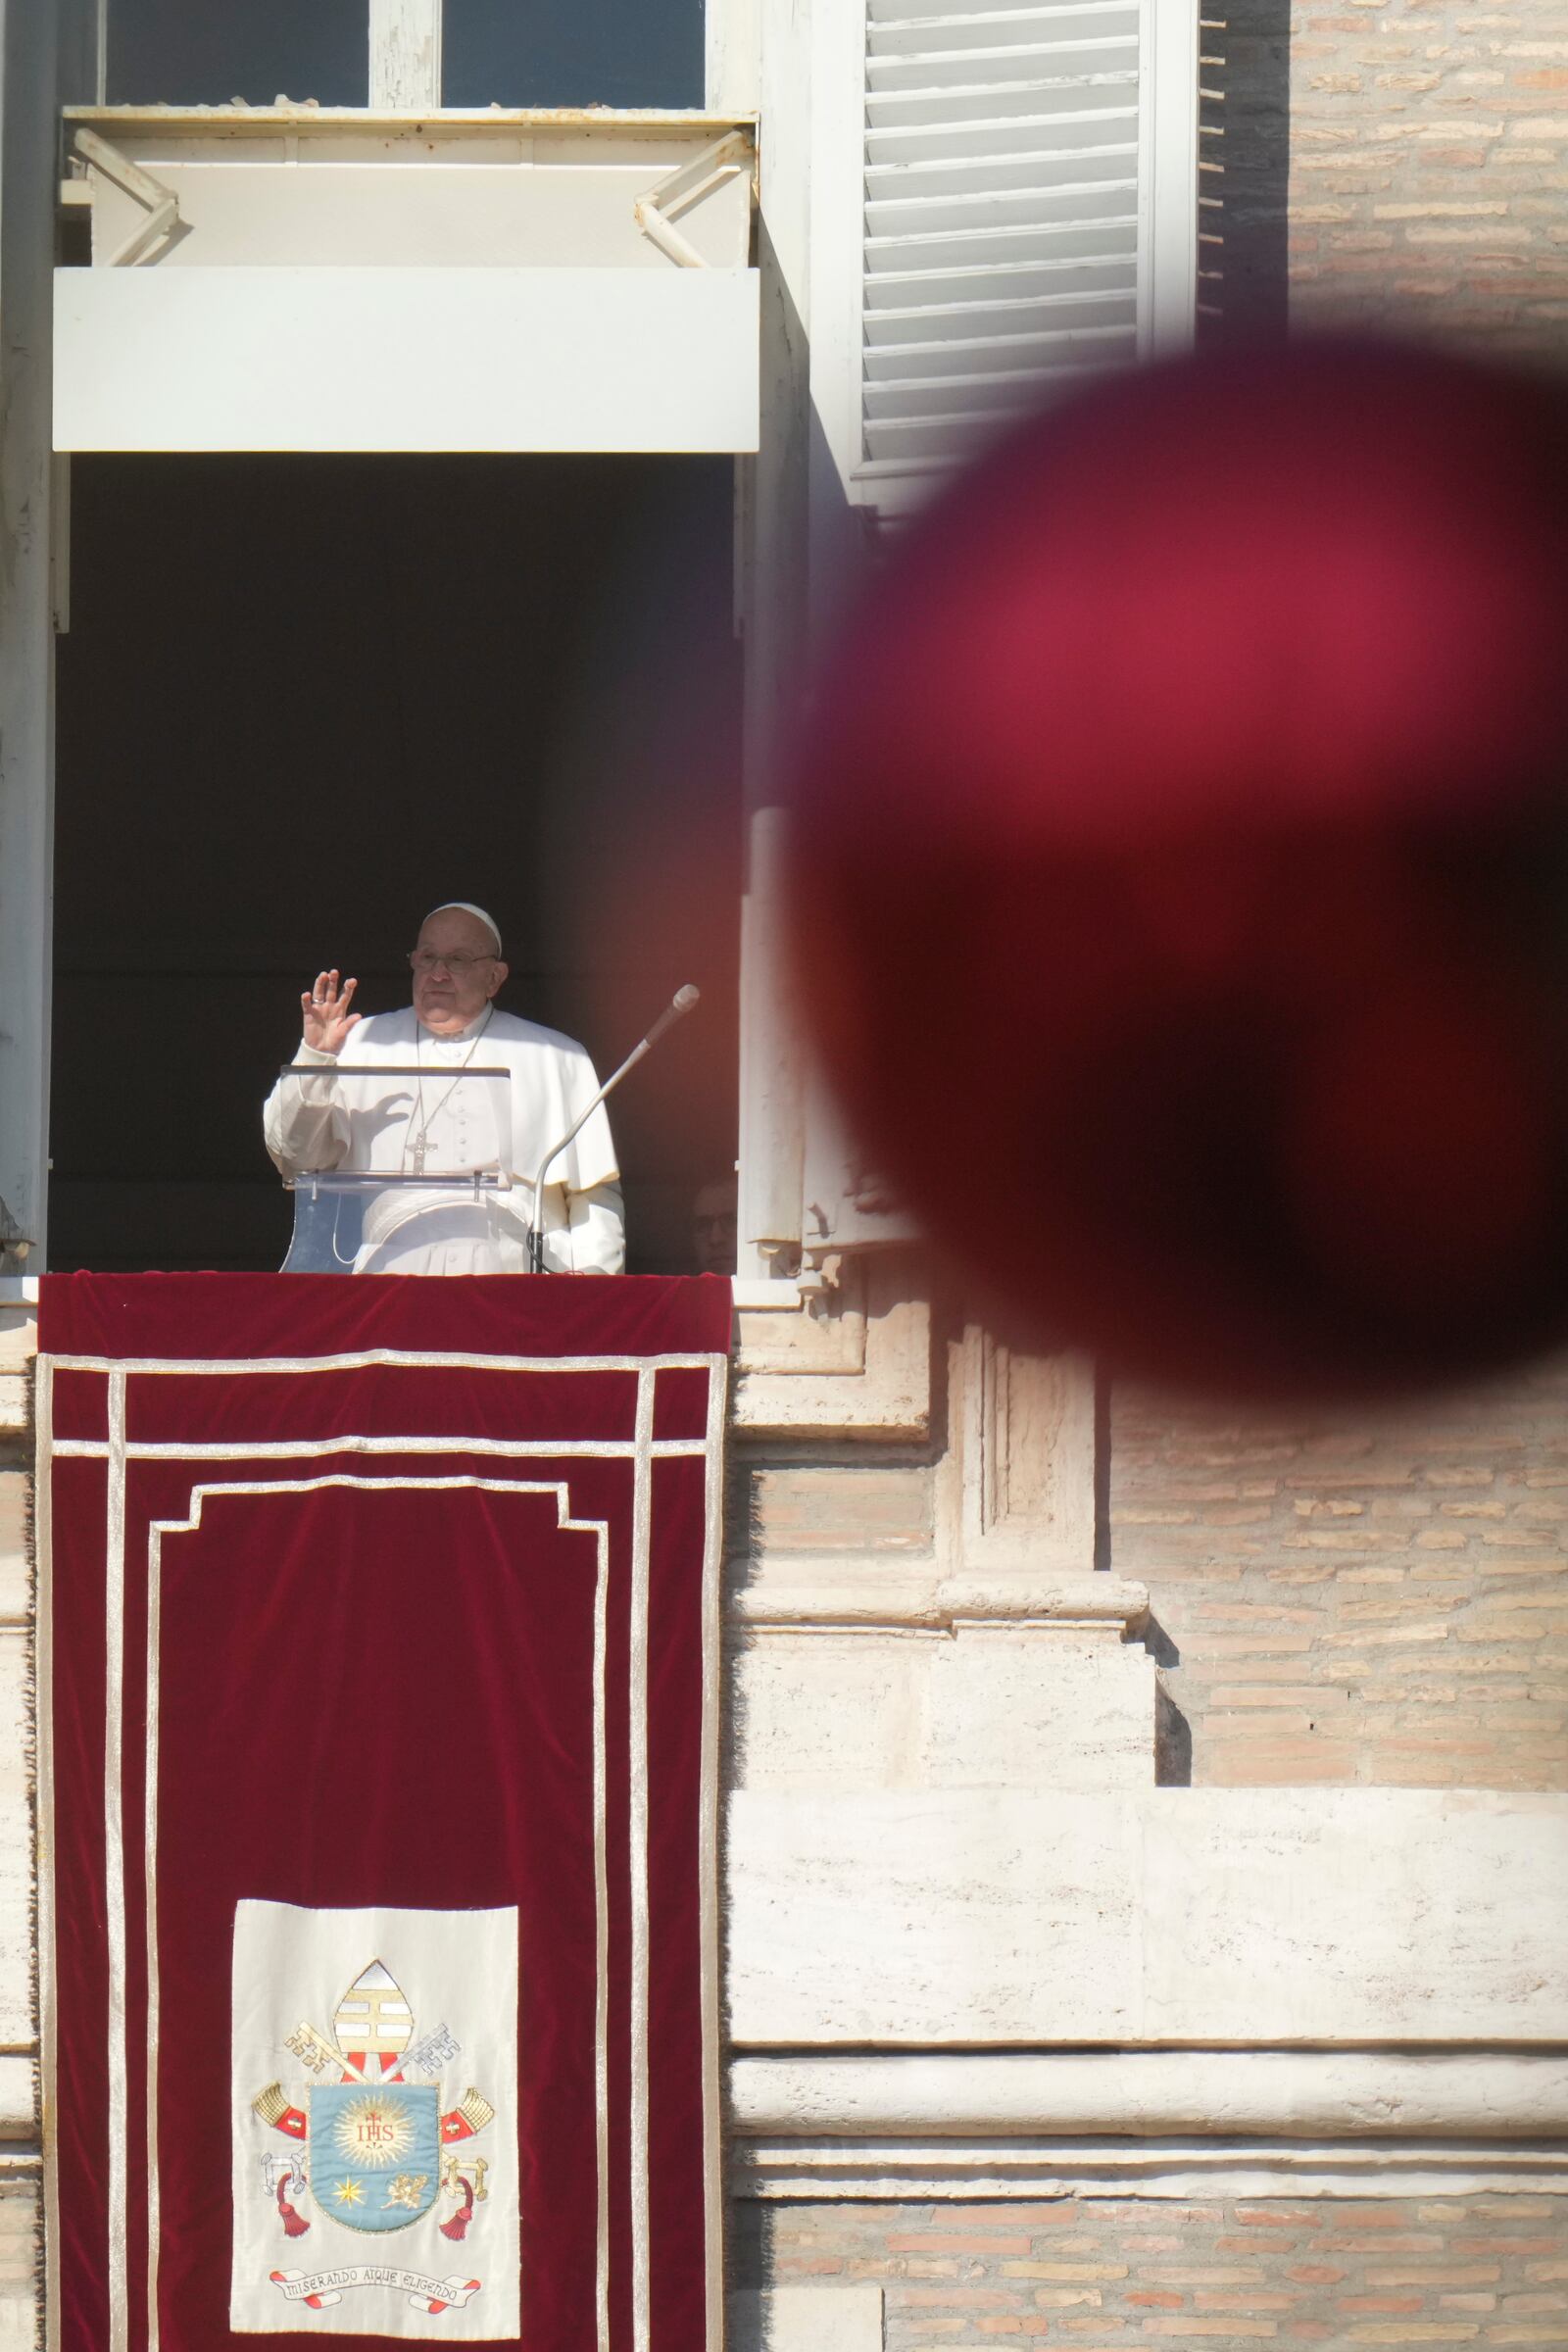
375 2152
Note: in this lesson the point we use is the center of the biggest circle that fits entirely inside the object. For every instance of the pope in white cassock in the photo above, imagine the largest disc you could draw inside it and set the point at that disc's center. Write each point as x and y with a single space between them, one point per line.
432 1120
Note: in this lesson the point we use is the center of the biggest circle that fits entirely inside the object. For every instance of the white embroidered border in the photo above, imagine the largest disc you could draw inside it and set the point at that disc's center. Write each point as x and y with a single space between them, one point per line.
708 1802
115 1854
641 1543
231 1367
643 1450
289 1449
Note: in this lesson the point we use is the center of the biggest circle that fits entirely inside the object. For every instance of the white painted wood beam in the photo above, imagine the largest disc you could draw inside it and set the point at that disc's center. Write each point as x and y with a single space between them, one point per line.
732 30
1169 291
772 554
406 55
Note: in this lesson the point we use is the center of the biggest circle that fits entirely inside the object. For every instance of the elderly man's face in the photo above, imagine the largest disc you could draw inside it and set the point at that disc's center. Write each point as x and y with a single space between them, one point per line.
450 994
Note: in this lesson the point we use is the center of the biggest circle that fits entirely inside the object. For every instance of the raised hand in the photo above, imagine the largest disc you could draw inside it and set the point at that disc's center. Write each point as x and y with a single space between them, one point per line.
325 1007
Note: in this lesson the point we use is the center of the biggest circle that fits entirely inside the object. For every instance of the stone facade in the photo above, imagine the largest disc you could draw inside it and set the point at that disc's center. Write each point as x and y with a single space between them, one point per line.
1111 2275
1429 168
1378 1596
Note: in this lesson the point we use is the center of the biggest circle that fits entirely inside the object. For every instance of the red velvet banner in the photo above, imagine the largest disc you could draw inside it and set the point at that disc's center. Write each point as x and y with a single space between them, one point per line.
379 1770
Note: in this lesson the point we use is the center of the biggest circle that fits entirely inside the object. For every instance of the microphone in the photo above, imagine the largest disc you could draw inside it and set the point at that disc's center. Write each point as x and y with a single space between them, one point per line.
680 1003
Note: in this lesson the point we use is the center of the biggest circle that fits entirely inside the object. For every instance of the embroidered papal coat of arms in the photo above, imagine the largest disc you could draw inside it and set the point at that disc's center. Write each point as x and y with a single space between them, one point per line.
373 2145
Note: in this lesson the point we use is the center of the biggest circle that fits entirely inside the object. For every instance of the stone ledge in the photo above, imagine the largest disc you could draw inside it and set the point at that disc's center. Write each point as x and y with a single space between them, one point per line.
917 2171
853 1589
1192 2094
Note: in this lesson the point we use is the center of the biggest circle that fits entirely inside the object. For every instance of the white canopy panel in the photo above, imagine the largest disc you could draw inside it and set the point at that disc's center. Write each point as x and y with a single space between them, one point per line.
388 359
298 278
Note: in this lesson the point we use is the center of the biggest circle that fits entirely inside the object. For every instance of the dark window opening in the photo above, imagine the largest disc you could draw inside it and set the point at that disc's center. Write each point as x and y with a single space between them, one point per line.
303 700
627 53
206 52
632 53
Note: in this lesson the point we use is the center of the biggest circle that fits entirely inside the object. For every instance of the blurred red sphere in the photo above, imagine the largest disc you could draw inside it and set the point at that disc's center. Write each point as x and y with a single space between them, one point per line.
1182 902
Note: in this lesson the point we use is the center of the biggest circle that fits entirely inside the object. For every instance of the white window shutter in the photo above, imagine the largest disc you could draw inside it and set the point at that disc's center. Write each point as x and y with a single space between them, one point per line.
1004 198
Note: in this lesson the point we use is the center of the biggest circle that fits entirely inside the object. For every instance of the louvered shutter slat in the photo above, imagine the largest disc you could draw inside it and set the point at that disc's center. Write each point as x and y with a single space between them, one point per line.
1026 28
935 178
981 102
1046 135
890 218
1003 322
1066 64
905 362
1071 240
942 290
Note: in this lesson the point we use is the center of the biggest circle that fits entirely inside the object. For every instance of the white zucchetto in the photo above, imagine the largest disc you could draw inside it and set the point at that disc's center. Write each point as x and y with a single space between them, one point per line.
467 907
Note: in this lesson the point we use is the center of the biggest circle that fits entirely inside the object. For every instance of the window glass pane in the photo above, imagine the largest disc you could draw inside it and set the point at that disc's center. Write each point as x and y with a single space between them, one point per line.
573 53
205 52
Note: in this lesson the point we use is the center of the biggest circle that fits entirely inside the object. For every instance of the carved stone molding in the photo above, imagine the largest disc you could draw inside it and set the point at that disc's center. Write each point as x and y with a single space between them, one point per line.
977 1703
1016 1487
856 1362
915 2172
864 1589
1180 2094
1211 2122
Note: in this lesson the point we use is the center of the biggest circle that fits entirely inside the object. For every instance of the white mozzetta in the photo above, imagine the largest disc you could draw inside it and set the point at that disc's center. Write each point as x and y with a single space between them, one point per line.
806 2319
985 1704
1282 1917
867 1589
393 358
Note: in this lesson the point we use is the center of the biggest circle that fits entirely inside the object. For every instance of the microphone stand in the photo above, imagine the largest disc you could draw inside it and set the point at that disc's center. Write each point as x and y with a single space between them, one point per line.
680 1003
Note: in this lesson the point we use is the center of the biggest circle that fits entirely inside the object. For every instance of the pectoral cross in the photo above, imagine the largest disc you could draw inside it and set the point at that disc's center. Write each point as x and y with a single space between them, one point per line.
420 1144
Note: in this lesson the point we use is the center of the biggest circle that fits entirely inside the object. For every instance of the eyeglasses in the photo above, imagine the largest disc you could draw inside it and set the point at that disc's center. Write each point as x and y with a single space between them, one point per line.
425 959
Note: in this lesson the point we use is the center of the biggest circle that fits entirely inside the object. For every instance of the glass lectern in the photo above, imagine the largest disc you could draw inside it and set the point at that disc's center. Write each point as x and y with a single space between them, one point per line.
391 1156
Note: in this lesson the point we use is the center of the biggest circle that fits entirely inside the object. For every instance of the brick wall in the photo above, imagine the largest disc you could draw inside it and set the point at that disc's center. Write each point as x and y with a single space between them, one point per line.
1373 1596
1103 2275
1429 167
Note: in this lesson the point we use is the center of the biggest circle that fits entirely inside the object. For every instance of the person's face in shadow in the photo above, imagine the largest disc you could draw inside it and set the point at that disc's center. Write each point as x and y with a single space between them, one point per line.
714 1224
